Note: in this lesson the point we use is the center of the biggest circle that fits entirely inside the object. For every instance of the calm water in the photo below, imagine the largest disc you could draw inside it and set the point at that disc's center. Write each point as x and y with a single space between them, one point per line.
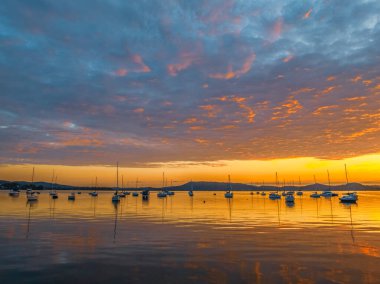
182 239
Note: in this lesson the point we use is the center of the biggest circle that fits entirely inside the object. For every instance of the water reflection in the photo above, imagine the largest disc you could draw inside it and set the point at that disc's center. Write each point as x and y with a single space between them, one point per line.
182 239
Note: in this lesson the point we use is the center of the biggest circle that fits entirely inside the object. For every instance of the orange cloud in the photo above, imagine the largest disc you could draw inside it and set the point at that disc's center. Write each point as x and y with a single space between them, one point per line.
277 29
139 61
355 98
356 79
331 78
121 72
201 141
138 110
307 14
186 59
303 90
291 106
326 91
288 58
232 74
324 108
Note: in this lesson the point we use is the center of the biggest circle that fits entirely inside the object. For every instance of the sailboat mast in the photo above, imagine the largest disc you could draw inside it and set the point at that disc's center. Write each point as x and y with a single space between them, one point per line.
328 177
345 169
117 175
33 175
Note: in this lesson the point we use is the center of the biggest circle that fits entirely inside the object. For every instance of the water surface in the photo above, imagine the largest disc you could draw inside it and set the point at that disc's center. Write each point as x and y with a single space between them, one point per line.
182 239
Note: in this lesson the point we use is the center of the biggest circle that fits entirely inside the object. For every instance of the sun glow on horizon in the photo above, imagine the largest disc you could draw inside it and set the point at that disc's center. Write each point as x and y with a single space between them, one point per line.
364 169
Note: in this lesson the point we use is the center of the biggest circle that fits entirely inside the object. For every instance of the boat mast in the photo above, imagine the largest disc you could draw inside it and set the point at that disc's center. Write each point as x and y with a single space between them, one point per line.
117 176
345 169
33 175
328 177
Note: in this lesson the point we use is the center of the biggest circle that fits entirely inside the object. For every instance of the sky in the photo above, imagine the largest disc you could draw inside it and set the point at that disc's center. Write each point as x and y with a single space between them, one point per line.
199 89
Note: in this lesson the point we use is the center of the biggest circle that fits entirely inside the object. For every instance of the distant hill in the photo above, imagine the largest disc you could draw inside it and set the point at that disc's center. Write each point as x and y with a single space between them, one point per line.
199 185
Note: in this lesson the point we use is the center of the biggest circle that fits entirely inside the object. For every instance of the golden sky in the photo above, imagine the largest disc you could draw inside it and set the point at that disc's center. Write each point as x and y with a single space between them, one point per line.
363 169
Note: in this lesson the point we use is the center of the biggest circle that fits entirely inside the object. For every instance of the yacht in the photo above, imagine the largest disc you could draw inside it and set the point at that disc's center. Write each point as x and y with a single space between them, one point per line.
315 195
349 198
161 194
71 196
274 195
32 197
14 193
289 198
116 197
145 194
229 193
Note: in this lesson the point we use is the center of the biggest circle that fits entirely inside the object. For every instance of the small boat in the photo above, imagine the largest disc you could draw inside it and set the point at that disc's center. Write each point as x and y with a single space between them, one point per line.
315 195
122 195
170 192
290 192
289 198
327 193
93 193
116 197
71 196
14 193
251 193
79 192
257 192
349 198
263 193
145 194
135 194
299 193
127 193
229 193
274 195
29 190
190 192
32 197
54 195
283 193
161 194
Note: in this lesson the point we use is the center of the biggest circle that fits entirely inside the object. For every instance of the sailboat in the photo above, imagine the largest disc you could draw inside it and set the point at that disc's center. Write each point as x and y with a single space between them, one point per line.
229 193
31 195
71 196
191 189
275 195
135 193
95 193
116 197
349 197
162 193
299 192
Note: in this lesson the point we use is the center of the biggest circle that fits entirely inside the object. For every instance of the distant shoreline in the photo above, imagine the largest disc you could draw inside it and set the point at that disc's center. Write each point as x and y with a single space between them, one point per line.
195 186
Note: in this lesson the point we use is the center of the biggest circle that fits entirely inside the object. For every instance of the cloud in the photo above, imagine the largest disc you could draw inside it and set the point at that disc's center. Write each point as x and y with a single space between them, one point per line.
155 82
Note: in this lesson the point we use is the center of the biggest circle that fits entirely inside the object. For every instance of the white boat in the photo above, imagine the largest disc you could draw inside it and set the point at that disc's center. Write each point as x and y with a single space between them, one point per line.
274 195
349 197
229 193
315 195
122 195
93 193
14 193
327 193
71 196
161 194
32 197
116 196
190 192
